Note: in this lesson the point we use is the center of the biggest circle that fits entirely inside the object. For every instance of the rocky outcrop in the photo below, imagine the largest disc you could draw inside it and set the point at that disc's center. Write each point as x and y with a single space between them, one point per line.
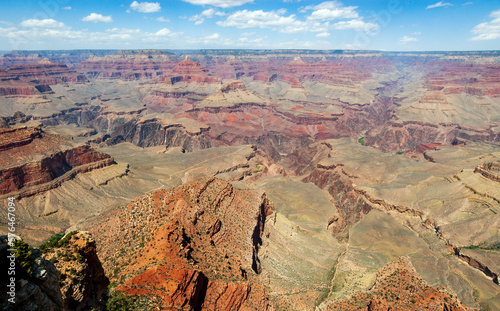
192 247
18 90
351 204
83 283
16 137
490 170
190 71
29 157
61 164
474 263
399 287
153 133
36 289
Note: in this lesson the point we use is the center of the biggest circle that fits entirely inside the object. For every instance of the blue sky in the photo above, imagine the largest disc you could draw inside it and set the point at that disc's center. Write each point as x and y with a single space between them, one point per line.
393 25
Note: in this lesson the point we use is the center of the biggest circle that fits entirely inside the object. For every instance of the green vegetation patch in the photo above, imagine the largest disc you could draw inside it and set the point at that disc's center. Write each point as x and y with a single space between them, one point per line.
57 240
362 141
118 301
23 257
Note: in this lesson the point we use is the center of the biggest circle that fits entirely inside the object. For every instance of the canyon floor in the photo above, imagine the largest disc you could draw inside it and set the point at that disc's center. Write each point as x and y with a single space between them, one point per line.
257 180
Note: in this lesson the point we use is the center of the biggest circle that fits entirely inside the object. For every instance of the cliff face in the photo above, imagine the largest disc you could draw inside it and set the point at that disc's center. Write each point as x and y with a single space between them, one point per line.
83 283
29 158
38 290
51 167
154 133
16 137
194 246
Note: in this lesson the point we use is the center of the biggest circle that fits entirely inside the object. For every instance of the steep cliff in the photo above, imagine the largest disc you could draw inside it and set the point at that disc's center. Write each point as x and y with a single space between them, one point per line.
35 279
83 282
30 157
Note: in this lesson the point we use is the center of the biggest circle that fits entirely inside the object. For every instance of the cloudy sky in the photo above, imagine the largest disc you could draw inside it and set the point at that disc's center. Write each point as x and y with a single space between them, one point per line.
394 25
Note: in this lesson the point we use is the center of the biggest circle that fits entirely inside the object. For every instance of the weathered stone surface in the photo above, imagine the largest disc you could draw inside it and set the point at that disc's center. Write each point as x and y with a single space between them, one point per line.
83 282
39 291
189 247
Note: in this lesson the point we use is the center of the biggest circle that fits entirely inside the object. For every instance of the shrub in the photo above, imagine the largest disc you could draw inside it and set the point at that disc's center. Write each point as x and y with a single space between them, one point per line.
120 302
57 240
51 242
65 240
23 257
361 141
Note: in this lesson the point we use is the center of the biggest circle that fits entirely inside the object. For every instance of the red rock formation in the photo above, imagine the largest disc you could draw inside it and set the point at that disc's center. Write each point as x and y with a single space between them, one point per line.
45 73
35 78
191 247
472 78
399 287
50 168
29 158
189 71
231 68
18 90
16 137
428 146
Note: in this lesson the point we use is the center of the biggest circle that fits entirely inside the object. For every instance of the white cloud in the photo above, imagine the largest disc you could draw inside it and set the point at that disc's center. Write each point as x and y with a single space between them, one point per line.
330 10
94 17
323 34
356 24
275 20
468 3
145 7
406 39
67 8
44 38
488 30
439 4
209 13
163 19
164 32
257 19
245 40
219 3
417 33
212 37
42 23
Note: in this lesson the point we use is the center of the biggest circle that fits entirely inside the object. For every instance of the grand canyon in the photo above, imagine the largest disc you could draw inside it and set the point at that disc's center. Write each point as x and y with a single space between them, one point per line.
251 179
